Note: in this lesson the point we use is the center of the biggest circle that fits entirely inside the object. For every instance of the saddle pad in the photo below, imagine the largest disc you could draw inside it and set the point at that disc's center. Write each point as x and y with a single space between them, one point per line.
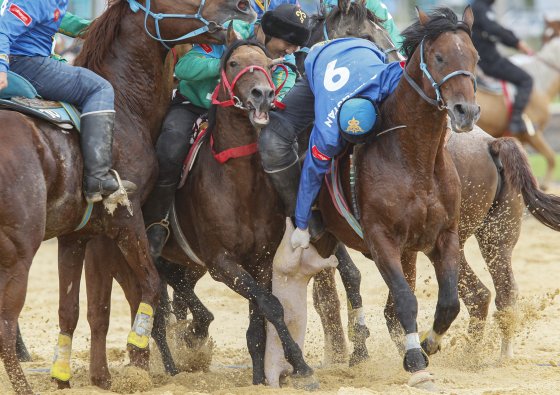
18 86
200 128
61 114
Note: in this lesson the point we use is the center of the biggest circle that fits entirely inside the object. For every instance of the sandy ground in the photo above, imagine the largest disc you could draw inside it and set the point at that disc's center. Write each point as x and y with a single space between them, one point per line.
461 368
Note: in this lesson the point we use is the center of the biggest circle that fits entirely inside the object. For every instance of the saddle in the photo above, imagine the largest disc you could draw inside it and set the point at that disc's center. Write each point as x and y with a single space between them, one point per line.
22 97
200 128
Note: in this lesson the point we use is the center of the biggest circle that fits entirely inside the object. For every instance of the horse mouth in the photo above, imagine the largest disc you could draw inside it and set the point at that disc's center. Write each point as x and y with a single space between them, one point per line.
258 118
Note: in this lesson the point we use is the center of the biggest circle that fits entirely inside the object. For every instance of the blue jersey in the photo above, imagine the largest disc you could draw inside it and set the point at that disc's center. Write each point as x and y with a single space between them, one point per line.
27 27
337 70
260 5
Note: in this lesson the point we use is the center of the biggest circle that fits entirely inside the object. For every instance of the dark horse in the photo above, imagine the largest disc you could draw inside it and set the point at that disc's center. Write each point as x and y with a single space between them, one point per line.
48 201
408 189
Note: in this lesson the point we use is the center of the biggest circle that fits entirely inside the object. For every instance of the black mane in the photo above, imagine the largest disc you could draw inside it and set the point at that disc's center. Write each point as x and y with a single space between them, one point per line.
442 20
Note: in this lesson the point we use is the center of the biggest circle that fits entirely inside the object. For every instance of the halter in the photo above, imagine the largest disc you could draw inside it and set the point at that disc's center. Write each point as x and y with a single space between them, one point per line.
236 101
438 102
209 26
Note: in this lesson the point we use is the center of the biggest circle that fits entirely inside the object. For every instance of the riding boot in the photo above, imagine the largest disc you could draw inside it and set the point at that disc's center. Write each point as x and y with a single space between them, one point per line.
156 210
96 139
286 183
517 124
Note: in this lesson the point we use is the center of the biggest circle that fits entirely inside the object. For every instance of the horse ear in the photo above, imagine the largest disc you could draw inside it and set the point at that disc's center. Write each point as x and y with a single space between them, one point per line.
231 35
423 18
547 23
344 6
468 16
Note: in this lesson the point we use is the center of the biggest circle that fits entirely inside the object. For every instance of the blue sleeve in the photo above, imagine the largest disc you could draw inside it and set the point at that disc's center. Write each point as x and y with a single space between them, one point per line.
324 144
16 17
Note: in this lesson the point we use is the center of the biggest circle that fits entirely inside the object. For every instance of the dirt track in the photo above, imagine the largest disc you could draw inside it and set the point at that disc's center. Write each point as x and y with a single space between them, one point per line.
459 368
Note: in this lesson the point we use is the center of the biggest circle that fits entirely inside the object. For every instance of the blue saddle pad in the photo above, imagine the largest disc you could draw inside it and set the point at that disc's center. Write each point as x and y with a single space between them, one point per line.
21 96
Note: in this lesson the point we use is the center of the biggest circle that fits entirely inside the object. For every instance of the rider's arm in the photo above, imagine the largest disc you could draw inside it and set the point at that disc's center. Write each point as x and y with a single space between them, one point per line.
279 76
72 25
324 143
495 31
16 18
381 11
200 63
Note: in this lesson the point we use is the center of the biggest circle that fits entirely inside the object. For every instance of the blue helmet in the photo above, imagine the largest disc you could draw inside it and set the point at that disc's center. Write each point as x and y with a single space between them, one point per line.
356 119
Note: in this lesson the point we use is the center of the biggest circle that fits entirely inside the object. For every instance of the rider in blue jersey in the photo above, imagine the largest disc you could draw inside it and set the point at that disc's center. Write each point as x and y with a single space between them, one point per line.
26 37
261 6
336 71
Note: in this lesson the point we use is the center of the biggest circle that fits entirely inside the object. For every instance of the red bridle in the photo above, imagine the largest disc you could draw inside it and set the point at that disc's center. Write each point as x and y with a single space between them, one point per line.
234 100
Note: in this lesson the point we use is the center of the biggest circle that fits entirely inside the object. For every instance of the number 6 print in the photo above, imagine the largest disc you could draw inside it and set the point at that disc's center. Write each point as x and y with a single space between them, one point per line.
331 73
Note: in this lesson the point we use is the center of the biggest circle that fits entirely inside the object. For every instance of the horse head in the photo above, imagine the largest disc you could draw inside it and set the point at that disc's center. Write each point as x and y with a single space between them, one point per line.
551 30
441 62
170 18
246 79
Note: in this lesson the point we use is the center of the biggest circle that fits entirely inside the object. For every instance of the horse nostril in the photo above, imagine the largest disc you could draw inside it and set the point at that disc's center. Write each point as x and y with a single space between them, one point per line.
257 93
270 94
460 109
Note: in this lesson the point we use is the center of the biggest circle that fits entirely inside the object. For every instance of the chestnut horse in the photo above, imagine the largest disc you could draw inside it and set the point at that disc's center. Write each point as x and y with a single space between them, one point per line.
50 202
544 67
408 189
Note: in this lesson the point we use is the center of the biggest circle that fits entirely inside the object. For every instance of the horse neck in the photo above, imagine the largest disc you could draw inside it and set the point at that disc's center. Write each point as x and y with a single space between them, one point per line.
136 71
232 129
422 141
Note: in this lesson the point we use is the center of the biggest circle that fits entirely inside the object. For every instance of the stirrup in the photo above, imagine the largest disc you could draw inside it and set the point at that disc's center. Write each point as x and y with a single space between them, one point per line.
164 223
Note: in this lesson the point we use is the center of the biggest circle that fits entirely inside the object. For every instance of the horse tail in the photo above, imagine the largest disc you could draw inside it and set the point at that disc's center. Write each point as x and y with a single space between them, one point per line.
517 173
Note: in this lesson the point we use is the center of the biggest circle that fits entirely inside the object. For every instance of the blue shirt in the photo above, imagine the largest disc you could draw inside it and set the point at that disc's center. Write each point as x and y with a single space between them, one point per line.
259 5
27 27
337 70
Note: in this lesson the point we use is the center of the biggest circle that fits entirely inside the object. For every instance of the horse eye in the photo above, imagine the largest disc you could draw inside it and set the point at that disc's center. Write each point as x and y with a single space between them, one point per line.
233 63
439 58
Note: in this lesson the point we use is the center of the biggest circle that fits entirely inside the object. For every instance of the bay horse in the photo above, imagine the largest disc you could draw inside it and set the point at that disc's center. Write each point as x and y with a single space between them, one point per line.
48 201
544 67
408 189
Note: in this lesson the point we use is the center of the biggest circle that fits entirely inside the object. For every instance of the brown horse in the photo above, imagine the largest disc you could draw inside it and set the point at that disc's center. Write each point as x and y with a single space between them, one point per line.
415 201
48 201
544 67
551 30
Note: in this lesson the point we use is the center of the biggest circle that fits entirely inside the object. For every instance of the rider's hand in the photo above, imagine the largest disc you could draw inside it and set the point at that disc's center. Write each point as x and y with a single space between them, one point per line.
3 80
523 47
300 238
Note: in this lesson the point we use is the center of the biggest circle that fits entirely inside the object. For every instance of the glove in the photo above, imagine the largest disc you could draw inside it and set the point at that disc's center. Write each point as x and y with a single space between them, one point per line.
300 238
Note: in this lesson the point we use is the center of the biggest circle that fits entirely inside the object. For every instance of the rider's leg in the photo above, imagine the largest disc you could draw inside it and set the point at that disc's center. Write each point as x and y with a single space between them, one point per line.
507 71
55 80
171 149
278 142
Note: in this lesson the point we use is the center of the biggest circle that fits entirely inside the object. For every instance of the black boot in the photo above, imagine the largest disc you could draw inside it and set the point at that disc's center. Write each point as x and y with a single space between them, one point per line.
155 212
517 124
96 138
286 183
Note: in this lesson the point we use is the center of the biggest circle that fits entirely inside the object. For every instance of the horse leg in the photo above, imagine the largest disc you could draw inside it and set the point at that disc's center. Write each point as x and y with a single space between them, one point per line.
238 279
496 239
71 251
21 351
351 277
475 295
99 282
445 258
408 262
159 331
327 304
541 145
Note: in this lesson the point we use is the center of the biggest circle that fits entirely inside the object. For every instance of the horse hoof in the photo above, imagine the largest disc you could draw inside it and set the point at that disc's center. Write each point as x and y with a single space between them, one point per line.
62 385
103 382
429 345
358 333
139 357
309 383
423 380
415 360
359 355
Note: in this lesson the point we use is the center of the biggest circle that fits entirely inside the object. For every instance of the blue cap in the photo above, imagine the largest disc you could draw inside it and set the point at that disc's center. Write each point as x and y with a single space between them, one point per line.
357 117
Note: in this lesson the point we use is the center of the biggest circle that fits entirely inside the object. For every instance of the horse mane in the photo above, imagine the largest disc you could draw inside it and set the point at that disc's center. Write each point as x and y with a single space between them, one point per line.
441 20
100 35
357 9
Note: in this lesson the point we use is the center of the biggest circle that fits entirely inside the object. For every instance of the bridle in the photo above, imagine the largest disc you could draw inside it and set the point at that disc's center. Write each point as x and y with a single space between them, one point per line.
438 102
209 26
229 87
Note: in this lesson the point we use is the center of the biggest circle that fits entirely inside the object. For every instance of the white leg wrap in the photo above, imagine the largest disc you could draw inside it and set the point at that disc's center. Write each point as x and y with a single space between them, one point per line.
412 340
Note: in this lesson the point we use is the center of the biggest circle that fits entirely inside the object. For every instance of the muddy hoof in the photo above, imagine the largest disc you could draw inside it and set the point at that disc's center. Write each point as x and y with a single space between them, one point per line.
429 345
423 380
61 385
415 360
359 355
139 357
309 383
103 382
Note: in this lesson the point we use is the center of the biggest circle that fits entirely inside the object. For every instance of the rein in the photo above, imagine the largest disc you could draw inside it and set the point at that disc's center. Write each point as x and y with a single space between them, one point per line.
209 26
438 102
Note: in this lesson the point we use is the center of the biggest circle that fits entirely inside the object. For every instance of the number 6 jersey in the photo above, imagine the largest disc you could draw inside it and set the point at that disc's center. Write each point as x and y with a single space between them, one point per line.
337 70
